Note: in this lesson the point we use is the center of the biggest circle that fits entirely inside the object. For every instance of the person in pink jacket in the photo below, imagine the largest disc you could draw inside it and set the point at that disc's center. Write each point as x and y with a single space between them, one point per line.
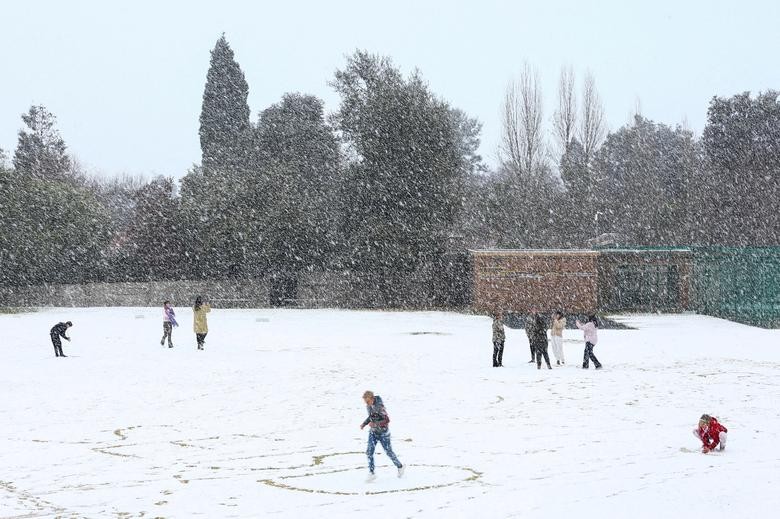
589 329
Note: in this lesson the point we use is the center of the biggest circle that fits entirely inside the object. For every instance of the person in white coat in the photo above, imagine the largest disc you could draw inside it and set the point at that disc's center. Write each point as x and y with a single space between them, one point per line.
556 335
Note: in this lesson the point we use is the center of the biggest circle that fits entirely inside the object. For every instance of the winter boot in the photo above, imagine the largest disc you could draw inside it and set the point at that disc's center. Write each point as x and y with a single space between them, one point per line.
371 477
401 471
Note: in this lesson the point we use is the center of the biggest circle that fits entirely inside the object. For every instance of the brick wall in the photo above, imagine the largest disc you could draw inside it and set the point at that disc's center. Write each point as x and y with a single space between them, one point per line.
514 281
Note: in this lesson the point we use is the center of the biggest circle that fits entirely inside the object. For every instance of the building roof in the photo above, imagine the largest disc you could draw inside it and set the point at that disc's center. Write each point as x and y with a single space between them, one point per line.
533 251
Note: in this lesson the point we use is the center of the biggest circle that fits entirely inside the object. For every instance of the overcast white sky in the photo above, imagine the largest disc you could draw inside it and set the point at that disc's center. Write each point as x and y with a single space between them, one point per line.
125 79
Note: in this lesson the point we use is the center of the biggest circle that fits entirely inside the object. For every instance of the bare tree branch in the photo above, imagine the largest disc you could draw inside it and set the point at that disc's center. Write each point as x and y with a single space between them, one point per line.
565 117
592 126
522 143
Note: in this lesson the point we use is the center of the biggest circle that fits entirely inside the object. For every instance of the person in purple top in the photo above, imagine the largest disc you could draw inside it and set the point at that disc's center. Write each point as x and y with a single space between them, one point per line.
169 321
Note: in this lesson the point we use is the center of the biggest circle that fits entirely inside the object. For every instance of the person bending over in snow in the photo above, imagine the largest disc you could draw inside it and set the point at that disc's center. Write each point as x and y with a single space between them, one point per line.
169 321
378 421
57 331
711 433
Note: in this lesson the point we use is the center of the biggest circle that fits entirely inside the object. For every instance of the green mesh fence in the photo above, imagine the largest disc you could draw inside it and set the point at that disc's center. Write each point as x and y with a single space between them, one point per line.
738 283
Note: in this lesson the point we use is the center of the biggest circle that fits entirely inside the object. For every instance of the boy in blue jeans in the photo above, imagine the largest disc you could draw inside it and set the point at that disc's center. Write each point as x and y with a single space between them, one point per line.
378 420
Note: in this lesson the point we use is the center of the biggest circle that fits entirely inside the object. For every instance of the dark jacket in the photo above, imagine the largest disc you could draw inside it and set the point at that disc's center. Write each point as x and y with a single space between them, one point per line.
498 330
59 329
377 419
536 329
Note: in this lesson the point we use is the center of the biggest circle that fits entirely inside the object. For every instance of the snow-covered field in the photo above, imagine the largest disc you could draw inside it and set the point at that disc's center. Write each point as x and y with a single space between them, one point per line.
265 421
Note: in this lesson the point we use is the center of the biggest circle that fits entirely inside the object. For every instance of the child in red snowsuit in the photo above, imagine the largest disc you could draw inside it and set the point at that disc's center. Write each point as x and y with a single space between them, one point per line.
711 433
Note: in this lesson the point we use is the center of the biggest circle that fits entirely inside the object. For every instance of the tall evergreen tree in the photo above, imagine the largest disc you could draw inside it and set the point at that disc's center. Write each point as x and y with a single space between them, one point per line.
154 239
41 151
294 140
59 234
225 129
741 180
644 175
404 189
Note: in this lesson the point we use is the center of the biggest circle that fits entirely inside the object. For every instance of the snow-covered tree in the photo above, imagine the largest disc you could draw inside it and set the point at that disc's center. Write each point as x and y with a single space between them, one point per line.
153 241
403 187
741 179
644 174
54 232
299 157
41 151
225 129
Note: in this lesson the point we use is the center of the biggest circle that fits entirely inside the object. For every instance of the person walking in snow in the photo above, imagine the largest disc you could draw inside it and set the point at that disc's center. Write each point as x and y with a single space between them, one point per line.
169 321
200 322
711 433
556 336
498 339
57 331
378 422
537 336
591 338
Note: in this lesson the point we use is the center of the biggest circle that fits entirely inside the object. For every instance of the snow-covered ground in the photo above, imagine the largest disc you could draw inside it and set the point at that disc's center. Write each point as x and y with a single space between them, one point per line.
265 421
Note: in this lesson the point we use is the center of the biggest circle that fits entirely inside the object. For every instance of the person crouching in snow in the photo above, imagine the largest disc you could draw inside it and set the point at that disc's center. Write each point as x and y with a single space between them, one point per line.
711 433
378 421
169 321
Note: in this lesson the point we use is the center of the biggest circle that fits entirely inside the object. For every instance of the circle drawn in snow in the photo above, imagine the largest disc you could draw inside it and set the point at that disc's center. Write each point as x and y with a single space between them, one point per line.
343 481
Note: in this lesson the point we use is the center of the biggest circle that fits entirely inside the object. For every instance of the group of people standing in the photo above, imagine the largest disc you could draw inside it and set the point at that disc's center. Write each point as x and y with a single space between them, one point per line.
536 330
199 323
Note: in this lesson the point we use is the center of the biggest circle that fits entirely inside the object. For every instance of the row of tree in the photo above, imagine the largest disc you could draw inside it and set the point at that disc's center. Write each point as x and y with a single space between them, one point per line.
388 184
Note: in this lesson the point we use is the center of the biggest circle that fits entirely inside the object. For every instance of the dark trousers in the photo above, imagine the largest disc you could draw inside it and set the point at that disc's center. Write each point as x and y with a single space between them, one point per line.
533 350
167 329
590 356
541 351
498 353
201 337
55 340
